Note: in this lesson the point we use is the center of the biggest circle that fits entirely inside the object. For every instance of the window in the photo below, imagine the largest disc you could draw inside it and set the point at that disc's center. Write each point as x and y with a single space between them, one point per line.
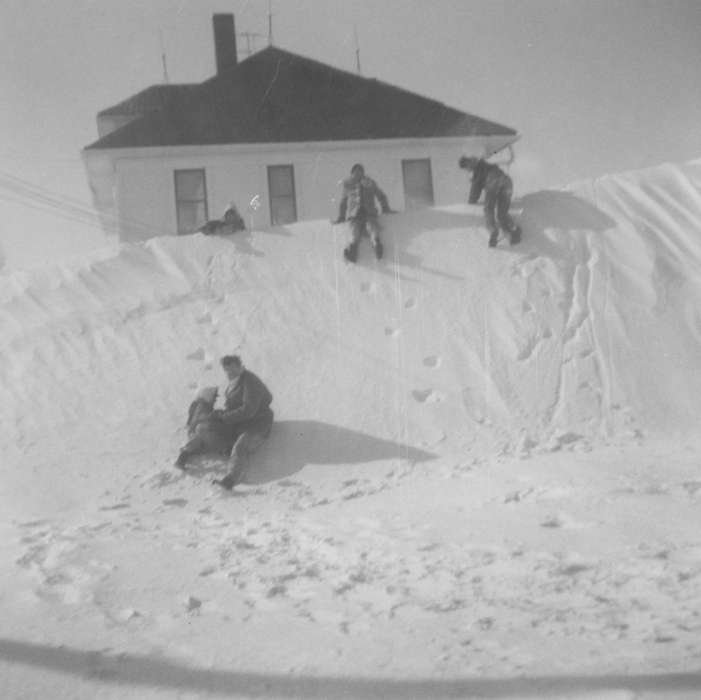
190 200
281 186
418 183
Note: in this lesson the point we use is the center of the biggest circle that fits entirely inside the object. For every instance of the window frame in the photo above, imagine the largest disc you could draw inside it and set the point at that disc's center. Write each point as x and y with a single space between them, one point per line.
178 201
427 159
270 169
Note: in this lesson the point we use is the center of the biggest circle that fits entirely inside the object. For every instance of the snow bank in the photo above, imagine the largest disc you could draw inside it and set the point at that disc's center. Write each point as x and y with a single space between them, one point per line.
586 332
473 475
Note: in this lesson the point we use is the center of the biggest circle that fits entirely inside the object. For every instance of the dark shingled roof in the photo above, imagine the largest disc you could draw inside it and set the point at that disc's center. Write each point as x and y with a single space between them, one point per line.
275 96
152 99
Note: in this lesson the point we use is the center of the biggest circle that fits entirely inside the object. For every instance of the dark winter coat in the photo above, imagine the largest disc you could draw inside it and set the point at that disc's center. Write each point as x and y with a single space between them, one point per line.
490 178
231 223
247 404
233 219
358 198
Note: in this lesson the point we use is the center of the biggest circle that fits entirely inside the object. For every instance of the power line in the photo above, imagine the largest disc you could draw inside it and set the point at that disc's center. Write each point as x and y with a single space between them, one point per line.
30 195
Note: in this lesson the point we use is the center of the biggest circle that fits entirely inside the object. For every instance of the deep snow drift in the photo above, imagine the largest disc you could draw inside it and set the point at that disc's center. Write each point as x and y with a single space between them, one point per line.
420 402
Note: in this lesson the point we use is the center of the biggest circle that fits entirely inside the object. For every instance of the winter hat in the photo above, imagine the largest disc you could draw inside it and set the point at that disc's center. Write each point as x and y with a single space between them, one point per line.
358 166
468 163
208 394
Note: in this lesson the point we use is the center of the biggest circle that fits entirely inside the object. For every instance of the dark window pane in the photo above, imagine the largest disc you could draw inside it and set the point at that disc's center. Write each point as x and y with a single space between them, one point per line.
281 181
281 186
191 215
418 184
190 199
189 185
283 211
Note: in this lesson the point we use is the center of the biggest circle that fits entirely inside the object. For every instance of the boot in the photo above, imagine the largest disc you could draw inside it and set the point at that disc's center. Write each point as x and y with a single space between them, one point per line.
515 236
493 240
350 252
379 249
181 461
228 482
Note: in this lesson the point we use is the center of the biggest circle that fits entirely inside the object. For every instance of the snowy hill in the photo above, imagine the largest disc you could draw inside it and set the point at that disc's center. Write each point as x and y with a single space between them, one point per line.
445 366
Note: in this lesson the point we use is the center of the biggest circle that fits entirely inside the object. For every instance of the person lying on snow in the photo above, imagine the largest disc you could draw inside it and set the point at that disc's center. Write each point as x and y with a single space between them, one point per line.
231 222
498 190
357 206
240 428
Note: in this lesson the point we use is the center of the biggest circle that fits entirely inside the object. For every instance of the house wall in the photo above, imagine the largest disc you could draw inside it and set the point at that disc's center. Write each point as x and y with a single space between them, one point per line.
144 191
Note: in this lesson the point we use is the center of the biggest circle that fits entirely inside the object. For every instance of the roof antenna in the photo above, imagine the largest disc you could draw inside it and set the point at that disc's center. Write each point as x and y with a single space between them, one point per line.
357 49
166 79
250 37
270 22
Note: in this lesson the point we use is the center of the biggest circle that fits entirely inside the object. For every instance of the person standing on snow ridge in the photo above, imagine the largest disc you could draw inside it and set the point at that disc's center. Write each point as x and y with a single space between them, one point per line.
357 206
240 428
498 190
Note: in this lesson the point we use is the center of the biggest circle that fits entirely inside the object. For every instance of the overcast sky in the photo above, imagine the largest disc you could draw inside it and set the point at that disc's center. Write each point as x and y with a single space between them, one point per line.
593 86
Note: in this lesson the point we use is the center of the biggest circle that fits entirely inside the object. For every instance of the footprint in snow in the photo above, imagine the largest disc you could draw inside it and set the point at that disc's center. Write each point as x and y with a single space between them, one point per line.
692 487
196 355
561 520
367 287
432 361
116 506
178 502
573 569
426 396
164 478
394 332
35 523
410 304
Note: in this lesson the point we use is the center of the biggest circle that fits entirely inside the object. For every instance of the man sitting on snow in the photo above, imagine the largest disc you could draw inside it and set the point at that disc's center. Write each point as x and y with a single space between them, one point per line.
357 205
498 189
240 428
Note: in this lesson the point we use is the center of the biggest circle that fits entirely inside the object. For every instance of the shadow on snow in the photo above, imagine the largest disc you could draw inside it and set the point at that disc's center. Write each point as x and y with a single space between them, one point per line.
158 672
293 444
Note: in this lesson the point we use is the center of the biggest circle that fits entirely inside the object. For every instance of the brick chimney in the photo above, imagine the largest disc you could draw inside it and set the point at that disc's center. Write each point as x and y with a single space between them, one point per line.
224 41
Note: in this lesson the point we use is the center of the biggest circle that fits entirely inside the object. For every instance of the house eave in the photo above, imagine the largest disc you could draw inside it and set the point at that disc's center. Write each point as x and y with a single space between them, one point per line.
207 150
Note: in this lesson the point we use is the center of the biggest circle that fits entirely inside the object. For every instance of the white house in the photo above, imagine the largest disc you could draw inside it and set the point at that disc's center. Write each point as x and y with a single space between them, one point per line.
277 130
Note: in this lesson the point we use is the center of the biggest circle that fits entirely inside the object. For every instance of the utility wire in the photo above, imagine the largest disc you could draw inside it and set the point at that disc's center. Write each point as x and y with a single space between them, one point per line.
25 193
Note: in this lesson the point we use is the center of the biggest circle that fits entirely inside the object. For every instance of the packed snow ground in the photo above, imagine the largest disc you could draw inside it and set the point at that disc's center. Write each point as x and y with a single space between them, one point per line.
483 480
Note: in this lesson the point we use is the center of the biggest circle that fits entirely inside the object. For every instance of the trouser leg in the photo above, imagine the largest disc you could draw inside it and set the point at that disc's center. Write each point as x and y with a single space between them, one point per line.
357 230
246 444
357 226
503 217
206 437
209 438
489 219
373 229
